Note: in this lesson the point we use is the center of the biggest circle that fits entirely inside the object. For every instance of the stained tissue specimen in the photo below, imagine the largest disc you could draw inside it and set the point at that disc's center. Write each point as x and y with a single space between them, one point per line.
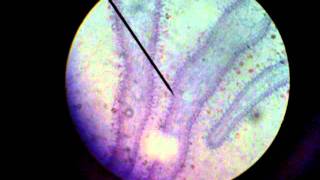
226 64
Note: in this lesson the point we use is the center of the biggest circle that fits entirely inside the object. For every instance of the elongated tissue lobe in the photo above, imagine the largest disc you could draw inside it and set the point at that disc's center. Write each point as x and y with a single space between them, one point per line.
222 58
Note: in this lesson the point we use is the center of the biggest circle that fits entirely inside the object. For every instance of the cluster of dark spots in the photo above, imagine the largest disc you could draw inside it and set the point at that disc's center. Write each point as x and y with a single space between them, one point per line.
161 126
145 162
125 135
182 165
122 54
209 111
127 149
167 16
256 115
128 112
114 110
238 135
250 55
118 66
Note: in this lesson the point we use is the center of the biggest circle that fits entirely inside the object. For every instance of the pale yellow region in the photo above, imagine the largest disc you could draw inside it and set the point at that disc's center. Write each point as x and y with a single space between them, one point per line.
91 70
159 146
96 59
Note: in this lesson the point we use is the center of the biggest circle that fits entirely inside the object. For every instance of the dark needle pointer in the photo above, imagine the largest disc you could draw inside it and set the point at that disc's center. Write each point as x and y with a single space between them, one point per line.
141 47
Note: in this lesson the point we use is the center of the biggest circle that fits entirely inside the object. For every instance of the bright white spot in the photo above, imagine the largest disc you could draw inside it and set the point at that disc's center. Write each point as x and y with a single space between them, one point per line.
160 146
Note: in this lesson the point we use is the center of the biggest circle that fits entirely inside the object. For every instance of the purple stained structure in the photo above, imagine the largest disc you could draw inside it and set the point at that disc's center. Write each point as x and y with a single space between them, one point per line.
222 58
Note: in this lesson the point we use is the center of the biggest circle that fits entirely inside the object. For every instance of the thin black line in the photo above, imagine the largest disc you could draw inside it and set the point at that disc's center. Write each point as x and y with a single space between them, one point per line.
140 45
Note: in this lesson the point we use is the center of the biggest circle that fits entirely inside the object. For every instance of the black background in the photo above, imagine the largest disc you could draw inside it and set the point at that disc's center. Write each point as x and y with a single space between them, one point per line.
55 150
